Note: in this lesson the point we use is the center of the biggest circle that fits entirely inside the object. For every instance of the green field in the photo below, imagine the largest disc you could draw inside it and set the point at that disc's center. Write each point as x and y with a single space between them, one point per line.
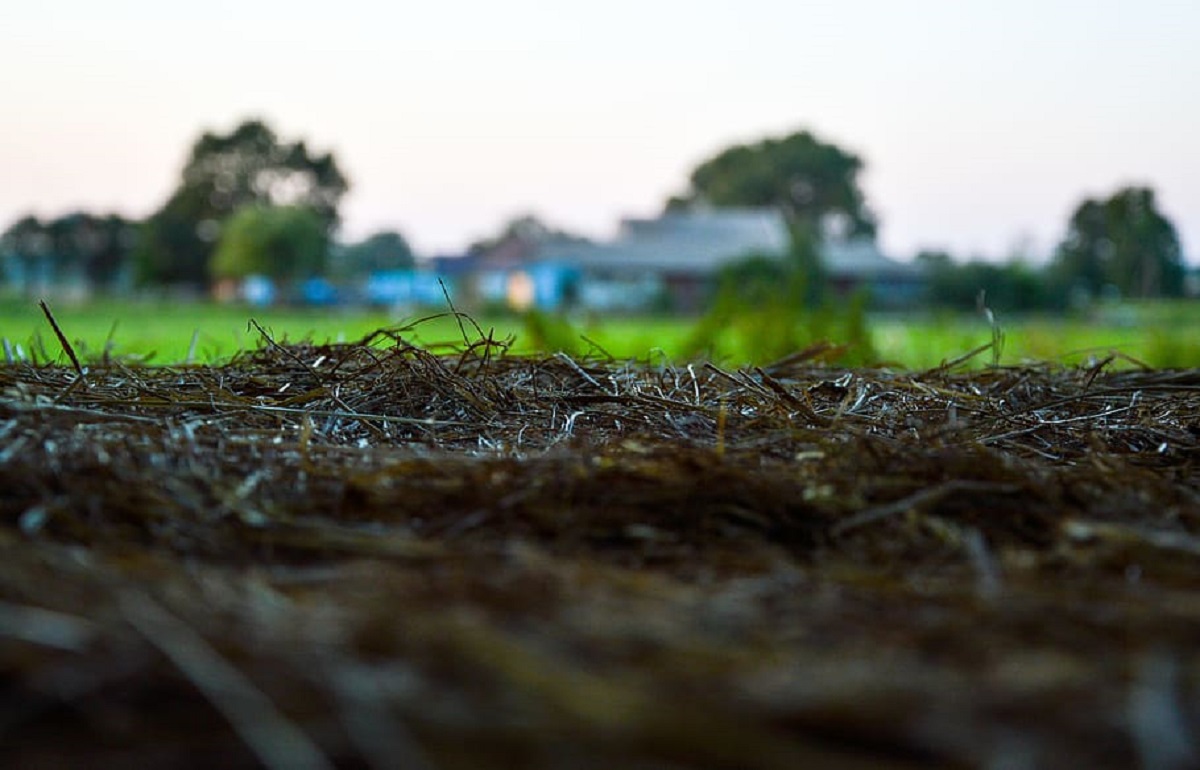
1161 335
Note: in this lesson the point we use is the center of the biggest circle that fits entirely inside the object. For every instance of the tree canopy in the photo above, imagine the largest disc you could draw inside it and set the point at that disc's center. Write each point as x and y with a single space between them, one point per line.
89 246
1013 285
27 237
1122 241
247 167
814 183
385 250
282 242
525 228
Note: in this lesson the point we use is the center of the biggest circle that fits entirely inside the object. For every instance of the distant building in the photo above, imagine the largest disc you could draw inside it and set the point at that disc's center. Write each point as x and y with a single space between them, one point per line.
524 270
264 291
858 264
257 290
672 261
406 289
668 263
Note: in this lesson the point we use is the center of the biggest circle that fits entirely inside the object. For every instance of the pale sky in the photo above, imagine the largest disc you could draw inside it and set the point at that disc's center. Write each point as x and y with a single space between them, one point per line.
983 123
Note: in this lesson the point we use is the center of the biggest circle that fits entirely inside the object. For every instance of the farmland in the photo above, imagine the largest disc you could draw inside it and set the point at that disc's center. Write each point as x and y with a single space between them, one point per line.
1159 334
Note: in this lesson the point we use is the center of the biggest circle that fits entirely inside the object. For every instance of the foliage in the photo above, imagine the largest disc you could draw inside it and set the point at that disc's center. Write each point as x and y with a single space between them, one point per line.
753 281
805 262
812 182
1013 286
249 166
767 304
524 229
98 244
551 332
27 239
385 250
91 246
1122 241
282 242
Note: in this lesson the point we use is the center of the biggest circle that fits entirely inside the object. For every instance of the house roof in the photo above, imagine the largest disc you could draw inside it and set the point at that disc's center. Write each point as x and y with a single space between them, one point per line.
450 264
860 258
701 242
680 242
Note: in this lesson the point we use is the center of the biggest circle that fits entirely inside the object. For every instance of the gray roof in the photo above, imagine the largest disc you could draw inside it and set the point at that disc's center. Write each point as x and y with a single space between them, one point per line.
685 242
701 242
861 257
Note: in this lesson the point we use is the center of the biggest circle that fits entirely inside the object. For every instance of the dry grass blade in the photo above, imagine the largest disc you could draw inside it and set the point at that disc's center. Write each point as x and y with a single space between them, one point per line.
1164 739
62 339
580 371
803 407
278 743
915 501
958 361
815 352
383 740
46 628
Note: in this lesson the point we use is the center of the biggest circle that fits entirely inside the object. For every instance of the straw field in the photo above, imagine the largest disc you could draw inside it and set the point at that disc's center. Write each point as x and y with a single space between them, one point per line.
373 554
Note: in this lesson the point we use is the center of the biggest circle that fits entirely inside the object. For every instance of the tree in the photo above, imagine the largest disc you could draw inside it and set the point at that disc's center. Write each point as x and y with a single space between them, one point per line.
286 243
28 251
96 246
83 246
525 229
1014 285
1123 241
226 173
813 183
386 250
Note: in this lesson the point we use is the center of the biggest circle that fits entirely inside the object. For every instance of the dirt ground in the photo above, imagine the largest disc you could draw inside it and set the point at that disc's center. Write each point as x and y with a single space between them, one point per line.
375 555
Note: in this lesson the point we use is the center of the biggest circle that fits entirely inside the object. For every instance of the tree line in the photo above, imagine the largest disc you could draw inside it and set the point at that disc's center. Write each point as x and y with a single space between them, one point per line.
248 202
1121 245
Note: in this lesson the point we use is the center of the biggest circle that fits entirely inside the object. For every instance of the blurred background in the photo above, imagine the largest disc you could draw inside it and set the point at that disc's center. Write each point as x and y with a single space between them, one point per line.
730 179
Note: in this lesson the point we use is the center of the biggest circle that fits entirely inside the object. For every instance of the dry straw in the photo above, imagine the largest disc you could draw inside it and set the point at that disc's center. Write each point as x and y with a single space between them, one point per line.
377 554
